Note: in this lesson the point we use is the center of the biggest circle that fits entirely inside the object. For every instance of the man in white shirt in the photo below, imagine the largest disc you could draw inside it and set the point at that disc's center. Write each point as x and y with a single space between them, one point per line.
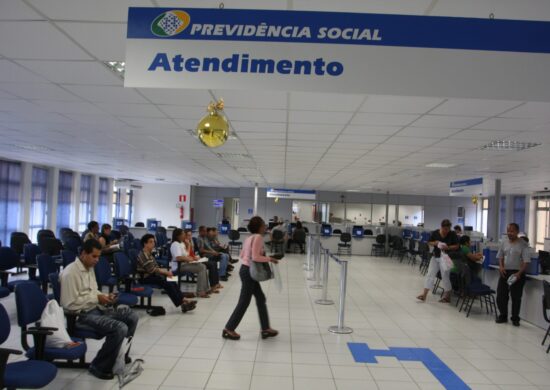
513 257
79 294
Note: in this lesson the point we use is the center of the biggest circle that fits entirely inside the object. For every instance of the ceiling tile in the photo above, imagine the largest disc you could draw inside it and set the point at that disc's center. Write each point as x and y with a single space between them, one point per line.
74 72
252 99
474 107
399 104
255 115
138 110
530 110
415 7
37 40
448 122
97 10
318 117
14 73
315 101
510 124
37 91
106 93
105 41
69 107
426 132
372 130
383 119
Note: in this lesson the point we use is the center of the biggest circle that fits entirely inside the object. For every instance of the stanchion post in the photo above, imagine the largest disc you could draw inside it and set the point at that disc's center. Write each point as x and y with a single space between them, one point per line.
315 259
340 328
307 265
324 300
317 267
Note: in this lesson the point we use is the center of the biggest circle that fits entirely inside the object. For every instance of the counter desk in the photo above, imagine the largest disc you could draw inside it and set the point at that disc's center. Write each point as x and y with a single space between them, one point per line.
531 304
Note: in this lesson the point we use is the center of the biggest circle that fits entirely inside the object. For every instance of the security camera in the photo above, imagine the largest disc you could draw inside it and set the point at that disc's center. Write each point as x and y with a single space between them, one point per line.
545 188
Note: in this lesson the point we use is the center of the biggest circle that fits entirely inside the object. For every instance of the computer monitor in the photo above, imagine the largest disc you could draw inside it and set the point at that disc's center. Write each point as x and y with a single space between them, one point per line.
272 225
544 261
468 228
326 230
224 228
358 231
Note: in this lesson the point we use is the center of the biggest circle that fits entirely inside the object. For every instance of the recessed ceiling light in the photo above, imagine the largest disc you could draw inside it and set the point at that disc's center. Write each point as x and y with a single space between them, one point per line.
160 179
507 146
116 66
440 165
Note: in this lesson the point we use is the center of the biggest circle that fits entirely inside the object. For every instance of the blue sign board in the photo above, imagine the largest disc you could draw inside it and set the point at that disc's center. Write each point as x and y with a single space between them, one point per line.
338 28
218 203
466 187
152 224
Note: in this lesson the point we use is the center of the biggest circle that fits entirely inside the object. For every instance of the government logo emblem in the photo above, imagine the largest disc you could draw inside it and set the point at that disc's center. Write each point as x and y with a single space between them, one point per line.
170 23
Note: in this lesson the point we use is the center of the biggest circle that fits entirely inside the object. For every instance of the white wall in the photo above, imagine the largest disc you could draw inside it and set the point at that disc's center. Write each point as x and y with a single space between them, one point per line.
410 215
159 201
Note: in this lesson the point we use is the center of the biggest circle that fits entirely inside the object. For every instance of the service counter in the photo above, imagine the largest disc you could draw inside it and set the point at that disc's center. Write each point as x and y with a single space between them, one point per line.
531 304
139 232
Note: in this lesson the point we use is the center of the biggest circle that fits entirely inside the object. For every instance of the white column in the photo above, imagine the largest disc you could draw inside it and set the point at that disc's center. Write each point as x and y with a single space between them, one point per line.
110 200
495 234
26 185
95 197
76 200
509 209
53 194
255 199
530 214
123 201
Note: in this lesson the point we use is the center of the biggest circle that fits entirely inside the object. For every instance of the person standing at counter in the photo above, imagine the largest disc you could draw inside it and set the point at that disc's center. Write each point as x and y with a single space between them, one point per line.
442 239
513 257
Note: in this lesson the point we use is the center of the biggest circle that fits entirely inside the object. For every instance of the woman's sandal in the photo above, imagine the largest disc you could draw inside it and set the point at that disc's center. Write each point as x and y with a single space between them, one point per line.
269 333
421 298
230 334
204 295
445 300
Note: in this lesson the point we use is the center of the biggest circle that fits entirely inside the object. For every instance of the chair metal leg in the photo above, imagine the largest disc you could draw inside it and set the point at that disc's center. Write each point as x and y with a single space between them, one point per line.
545 336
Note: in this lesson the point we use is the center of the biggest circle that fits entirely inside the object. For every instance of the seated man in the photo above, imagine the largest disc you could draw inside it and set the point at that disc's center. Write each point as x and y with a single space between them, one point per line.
206 250
219 247
152 274
473 259
79 294
93 231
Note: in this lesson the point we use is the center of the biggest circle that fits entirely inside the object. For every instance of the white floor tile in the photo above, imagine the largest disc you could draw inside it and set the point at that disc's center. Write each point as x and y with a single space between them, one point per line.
271 383
228 381
311 383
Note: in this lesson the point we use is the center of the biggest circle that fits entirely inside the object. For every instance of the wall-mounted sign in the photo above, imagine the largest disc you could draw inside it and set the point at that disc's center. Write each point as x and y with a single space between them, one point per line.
250 211
336 52
466 187
217 203
290 194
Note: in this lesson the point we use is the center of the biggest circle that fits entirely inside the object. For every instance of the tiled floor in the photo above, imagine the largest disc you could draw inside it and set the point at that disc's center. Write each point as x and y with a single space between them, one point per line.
186 351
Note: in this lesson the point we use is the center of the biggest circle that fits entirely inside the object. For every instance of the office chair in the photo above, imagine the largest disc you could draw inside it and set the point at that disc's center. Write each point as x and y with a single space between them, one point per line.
16 375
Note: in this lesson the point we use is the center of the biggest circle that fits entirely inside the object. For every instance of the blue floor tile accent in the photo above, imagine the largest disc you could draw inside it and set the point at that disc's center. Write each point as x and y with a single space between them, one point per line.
363 354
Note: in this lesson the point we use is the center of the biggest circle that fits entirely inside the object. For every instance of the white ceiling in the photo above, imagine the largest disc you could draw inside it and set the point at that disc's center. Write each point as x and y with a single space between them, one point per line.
57 96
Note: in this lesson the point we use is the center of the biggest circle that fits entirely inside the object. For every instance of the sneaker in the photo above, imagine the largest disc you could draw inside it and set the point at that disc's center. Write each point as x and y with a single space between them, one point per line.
515 322
224 278
501 320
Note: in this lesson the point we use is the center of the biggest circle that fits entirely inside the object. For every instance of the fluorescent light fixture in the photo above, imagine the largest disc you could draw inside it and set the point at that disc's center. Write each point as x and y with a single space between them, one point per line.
352 191
507 145
440 165
118 67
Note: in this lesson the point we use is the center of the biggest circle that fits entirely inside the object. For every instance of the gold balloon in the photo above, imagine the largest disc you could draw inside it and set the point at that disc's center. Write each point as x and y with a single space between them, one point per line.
213 129
474 199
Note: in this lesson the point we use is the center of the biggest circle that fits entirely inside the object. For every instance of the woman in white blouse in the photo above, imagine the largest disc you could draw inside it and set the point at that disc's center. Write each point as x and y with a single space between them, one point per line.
183 262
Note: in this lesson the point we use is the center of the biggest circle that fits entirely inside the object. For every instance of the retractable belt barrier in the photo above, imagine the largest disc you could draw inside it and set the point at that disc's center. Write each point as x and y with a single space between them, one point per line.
316 252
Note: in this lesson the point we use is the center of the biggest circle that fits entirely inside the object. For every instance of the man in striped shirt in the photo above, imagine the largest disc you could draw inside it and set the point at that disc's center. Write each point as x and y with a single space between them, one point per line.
152 274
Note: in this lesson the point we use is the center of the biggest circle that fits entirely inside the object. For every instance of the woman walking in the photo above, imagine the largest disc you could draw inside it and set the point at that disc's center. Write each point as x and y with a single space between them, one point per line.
253 250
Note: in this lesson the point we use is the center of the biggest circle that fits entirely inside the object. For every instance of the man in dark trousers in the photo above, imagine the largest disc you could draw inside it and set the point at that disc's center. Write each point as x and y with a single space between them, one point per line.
513 257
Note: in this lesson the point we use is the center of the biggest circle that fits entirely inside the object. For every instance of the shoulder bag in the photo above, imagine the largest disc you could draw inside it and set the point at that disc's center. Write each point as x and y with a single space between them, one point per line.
259 271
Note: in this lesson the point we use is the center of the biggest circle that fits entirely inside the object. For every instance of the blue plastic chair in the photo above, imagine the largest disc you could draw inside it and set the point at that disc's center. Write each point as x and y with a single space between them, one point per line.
16 375
68 257
30 303
30 251
9 259
46 266
123 271
105 277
